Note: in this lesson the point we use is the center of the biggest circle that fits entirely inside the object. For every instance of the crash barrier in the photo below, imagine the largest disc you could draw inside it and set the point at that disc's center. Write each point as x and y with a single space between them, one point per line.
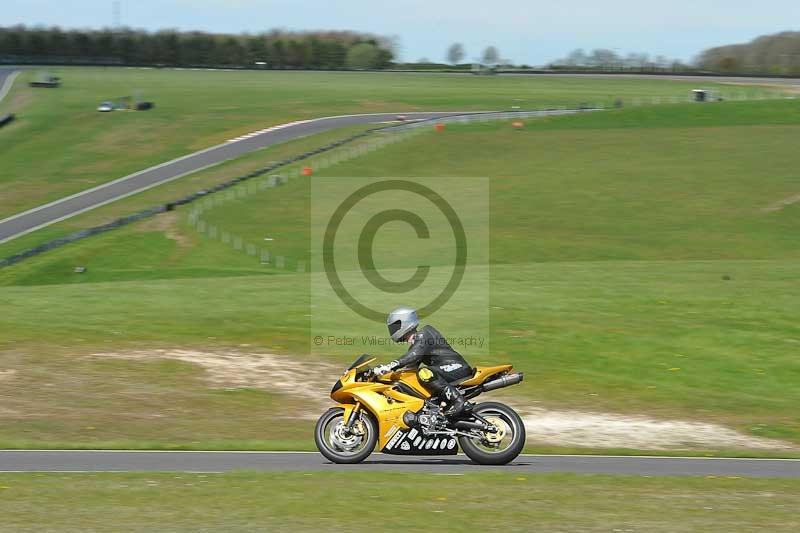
169 206
240 244
328 156
6 119
56 243
356 151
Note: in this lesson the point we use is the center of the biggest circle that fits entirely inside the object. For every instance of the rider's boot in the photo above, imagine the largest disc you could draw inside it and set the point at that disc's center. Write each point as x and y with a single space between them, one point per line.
456 403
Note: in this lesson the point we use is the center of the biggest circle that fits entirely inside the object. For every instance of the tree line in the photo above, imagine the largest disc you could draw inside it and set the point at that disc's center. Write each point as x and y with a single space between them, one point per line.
609 60
490 56
597 59
278 49
275 49
776 54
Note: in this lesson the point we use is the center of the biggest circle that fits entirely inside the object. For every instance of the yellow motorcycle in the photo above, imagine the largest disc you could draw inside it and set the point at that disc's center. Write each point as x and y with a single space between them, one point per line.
396 413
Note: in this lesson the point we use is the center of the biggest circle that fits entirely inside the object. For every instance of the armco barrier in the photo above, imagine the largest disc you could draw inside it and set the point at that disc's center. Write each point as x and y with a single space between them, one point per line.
169 206
6 119
57 243
385 136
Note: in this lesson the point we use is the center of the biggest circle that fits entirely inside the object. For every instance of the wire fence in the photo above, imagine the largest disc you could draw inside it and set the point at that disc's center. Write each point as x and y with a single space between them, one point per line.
6 119
337 152
378 139
169 206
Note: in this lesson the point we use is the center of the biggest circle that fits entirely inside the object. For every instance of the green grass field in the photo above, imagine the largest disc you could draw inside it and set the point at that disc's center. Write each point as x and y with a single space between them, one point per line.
635 268
60 145
176 189
353 501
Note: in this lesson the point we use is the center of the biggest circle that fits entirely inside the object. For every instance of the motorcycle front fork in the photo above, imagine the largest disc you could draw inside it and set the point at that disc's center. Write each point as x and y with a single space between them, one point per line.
348 428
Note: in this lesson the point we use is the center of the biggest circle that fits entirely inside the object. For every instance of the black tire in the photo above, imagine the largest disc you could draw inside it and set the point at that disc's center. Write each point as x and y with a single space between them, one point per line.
508 454
338 456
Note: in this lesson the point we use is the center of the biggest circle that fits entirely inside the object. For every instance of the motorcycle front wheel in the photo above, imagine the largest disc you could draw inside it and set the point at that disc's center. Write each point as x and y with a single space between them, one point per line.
343 447
500 447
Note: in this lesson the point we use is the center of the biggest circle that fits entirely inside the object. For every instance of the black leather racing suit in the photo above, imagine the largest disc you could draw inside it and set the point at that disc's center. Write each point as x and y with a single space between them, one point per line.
443 365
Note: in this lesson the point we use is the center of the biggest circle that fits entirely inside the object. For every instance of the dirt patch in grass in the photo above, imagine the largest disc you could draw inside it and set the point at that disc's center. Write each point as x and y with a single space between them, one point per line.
787 88
168 224
19 94
304 379
310 381
20 100
784 87
65 396
780 204
608 430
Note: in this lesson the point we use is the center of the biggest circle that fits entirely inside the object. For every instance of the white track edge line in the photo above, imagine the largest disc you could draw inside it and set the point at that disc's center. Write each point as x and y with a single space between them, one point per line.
109 471
187 156
8 84
130 176
540 455
106 202
110 183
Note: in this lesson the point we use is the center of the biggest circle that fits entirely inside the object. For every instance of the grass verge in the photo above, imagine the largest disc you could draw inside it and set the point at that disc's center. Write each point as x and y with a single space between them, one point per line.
282 501
60 144
634 270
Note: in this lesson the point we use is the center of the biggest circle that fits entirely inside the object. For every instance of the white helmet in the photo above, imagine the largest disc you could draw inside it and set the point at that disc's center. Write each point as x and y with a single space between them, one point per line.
401 321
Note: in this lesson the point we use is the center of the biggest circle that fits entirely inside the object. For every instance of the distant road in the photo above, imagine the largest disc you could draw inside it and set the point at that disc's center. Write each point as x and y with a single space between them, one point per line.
176 461
699 79
7 76
58 210
53 212
70 206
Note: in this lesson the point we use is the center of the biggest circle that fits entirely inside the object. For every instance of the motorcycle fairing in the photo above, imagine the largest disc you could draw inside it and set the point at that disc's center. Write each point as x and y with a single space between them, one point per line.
414 442
388 404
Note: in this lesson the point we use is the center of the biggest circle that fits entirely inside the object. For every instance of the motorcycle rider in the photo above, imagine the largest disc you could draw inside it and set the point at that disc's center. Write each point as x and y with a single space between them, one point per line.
443 365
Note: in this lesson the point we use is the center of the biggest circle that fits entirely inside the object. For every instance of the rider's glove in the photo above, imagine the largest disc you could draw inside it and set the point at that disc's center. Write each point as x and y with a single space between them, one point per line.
380 370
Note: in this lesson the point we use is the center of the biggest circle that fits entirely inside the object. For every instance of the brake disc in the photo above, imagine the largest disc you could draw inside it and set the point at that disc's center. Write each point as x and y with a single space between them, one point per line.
347 440
497 436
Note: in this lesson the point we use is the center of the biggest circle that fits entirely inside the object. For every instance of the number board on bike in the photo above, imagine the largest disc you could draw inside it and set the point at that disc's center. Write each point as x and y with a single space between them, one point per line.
413 442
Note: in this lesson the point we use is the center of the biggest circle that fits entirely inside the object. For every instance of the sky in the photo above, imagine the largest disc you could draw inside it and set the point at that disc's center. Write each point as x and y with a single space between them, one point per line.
525 31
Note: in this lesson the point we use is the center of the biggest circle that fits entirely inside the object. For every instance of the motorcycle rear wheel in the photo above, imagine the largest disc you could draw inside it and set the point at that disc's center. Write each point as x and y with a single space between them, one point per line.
330 427
485 454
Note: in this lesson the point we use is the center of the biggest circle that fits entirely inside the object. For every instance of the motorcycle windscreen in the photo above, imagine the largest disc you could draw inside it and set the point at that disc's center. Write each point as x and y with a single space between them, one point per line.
363 358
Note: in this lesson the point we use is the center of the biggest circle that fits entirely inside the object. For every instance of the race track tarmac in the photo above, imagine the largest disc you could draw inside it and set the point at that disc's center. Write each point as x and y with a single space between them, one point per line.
186 461
44 215
38 217
47 214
